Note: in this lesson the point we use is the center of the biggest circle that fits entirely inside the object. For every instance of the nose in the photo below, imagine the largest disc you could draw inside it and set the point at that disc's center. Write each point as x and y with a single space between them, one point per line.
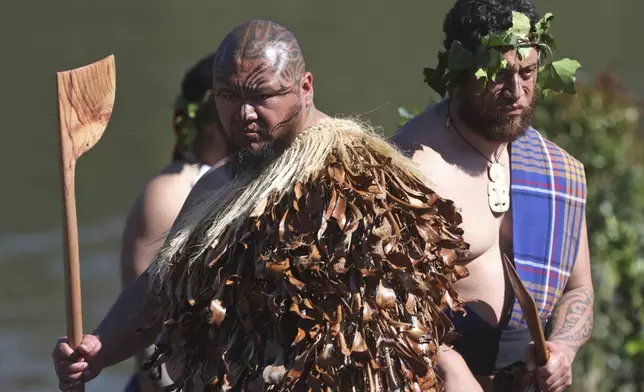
248 112
512 90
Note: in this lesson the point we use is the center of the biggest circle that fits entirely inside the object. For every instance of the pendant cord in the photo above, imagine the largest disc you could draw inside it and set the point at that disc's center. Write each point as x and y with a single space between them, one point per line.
450 122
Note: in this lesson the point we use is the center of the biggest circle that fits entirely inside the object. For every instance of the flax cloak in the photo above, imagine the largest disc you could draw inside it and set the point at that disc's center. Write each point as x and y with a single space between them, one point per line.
327 271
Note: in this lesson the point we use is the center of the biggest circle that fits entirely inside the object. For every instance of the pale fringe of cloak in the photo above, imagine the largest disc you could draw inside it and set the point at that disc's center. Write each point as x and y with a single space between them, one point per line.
221 213
219 217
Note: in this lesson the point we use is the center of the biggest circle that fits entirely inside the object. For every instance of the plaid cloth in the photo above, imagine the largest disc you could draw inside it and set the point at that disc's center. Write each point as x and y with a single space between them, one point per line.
548 197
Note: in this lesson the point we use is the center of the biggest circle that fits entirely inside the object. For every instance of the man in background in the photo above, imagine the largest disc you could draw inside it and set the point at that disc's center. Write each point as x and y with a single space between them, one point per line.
200 146
520 195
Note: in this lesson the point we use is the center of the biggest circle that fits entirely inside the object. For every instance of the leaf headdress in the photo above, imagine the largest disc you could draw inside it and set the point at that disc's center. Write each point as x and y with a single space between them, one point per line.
487 60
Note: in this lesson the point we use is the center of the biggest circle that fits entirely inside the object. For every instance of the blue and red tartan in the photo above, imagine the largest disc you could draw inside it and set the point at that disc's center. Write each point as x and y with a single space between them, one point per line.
548 197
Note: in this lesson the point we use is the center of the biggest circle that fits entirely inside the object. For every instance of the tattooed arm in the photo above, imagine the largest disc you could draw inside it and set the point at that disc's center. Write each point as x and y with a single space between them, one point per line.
573 316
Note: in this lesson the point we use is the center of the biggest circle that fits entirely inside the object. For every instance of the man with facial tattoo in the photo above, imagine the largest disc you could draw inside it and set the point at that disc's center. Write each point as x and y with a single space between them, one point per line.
520 195
316 259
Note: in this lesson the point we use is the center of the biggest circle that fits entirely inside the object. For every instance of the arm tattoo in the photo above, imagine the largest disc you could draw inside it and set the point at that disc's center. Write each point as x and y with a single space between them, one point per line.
573 318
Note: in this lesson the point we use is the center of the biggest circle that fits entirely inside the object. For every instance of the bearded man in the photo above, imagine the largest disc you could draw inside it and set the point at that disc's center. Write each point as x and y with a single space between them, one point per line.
520 195
319 261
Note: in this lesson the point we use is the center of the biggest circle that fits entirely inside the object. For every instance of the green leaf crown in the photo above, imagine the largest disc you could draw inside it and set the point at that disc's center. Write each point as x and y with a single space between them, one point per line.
185 126
488 59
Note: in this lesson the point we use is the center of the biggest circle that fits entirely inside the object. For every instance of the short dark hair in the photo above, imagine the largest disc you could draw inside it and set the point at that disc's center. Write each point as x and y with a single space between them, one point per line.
198 80
470 20
197 85
196 88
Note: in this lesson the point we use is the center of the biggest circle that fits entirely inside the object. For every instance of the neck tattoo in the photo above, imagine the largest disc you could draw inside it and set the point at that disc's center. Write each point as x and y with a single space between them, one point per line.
497 190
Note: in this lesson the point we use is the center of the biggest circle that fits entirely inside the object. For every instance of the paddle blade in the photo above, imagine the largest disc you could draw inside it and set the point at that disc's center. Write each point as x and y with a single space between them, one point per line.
85 102
530 312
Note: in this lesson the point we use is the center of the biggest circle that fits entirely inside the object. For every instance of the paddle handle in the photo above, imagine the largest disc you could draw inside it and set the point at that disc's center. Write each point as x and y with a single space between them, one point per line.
530 312
85 103
70 245
542 352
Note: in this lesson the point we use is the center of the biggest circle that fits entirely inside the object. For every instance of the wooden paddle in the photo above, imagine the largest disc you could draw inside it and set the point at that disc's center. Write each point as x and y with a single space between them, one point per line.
85 102
530 312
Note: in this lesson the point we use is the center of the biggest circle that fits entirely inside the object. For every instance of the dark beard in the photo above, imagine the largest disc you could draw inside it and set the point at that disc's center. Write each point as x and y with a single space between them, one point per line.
251 162
248 161
491 123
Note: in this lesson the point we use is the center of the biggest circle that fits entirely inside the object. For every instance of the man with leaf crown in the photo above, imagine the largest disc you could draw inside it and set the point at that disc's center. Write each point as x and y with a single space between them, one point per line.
324 263
520 195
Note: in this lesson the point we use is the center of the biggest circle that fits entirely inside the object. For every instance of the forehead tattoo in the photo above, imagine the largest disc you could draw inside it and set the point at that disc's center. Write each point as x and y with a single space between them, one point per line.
270 48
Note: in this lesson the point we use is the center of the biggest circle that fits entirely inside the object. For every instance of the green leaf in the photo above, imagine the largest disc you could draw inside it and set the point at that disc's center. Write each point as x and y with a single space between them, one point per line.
559 76
524 52
520 24
543 24
192 109
460 58
567 71
435 80
496 62
482 77
548 40
404 113
542 36
495 59
481 73
499 39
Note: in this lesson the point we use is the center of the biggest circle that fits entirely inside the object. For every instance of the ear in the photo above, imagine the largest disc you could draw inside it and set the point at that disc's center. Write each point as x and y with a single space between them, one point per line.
307 89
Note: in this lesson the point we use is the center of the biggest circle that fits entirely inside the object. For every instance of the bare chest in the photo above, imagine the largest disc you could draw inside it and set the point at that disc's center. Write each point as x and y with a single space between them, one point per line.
488 234
483 229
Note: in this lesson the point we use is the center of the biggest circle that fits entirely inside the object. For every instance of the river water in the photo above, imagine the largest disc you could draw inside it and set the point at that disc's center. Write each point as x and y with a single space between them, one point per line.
367 59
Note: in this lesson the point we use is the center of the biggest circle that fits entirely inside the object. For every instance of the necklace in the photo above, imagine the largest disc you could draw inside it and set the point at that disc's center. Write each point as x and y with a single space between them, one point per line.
497 190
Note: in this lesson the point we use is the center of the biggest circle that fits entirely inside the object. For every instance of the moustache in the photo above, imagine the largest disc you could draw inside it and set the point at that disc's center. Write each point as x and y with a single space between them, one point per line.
254 127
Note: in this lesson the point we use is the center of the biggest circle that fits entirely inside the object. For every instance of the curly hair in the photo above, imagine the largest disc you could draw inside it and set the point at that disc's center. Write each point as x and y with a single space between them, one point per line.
470 20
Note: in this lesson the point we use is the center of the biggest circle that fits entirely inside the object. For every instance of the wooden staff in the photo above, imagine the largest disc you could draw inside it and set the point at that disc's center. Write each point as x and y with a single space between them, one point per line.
85 102
530 312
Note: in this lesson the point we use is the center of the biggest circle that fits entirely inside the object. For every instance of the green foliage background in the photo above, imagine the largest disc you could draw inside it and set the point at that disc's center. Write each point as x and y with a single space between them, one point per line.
600 127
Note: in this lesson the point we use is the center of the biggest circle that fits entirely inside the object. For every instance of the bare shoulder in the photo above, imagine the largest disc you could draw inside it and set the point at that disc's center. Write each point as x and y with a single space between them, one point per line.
160 200
209 183
156 207
420 133
166 191
406 137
